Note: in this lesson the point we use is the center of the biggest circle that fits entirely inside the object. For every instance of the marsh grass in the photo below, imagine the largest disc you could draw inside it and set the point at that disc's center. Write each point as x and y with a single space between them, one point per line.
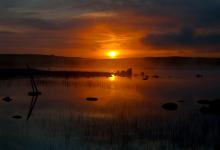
119 125
70 130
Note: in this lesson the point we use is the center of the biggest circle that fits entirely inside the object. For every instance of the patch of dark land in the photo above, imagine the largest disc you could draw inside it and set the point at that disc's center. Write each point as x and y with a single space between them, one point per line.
47 61
23 73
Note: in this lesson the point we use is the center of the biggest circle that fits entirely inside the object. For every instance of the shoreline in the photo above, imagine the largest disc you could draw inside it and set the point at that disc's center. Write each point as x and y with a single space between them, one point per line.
25 73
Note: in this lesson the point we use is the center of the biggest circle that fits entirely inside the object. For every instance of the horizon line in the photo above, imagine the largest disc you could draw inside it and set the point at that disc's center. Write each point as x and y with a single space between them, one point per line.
136 57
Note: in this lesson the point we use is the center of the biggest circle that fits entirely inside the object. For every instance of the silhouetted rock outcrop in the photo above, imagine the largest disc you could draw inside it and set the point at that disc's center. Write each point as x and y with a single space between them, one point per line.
170 106
125 73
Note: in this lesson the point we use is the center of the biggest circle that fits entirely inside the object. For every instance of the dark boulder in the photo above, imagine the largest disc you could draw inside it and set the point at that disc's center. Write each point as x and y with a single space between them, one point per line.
34 93
7 99
155 76
92 99
17 117
199 76
170 106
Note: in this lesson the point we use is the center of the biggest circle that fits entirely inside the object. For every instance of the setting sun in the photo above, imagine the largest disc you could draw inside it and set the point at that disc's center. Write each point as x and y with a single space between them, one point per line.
112 54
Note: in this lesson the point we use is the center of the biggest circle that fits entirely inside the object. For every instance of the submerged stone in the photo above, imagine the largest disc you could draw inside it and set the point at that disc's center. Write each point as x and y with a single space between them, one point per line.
92 99
155 76
170 106
199 76
17 117
7 99
34 93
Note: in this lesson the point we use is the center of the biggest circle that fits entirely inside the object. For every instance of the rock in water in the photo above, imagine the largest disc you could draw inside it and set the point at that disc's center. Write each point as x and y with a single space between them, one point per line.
7 99
170 106
199 76
34 93
155 76
16 117
92 99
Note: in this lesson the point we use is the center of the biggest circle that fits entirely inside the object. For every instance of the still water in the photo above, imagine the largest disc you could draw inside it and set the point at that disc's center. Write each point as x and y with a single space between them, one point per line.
127 115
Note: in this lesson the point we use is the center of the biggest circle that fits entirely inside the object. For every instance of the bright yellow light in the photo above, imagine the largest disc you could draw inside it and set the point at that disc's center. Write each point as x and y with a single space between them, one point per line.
112 54
112 78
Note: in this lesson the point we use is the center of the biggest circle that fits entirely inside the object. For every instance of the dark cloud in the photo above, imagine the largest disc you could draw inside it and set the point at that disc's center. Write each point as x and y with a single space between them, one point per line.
209 17
187 39
44 41
45 24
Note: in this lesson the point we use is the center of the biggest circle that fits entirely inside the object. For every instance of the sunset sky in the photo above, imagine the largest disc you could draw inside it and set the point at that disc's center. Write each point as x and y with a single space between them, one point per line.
93 28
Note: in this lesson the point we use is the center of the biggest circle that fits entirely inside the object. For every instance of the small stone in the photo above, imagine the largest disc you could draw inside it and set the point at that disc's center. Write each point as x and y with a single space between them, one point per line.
17 117
7 99
92 99
170 106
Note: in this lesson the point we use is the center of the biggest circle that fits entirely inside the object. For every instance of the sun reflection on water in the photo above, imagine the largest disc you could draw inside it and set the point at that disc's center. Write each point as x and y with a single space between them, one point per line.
112 78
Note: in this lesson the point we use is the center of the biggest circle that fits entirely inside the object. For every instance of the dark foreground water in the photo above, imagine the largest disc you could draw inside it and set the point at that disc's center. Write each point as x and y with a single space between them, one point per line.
127 115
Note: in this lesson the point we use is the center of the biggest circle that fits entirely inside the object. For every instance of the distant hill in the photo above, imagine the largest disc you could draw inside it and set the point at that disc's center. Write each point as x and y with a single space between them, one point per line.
19 60
76 63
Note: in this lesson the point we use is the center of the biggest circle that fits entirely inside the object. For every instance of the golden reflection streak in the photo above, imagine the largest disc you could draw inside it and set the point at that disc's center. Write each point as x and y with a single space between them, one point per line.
112 78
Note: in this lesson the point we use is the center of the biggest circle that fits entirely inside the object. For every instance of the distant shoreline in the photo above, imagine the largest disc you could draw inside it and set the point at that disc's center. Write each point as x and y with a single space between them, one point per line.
120 58
25 73
47 62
